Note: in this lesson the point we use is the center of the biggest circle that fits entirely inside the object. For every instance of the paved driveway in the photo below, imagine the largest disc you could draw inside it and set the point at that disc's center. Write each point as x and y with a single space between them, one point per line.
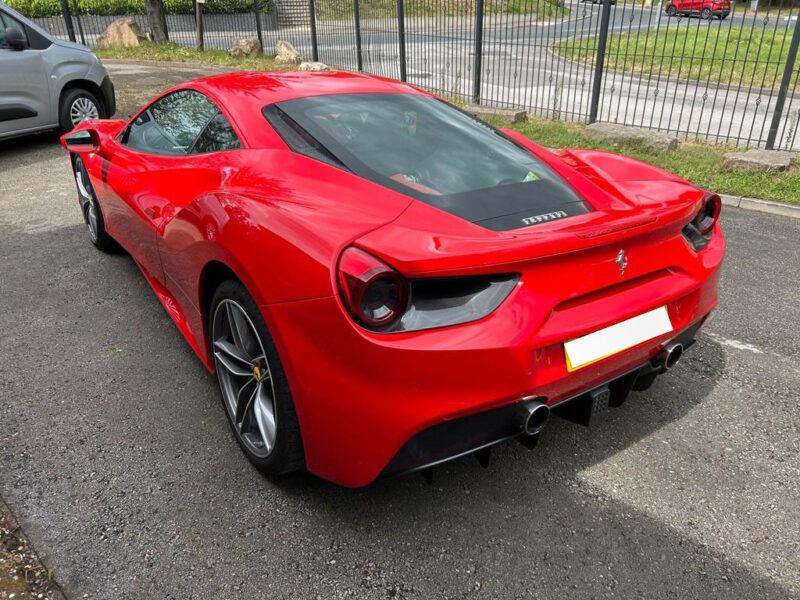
115 452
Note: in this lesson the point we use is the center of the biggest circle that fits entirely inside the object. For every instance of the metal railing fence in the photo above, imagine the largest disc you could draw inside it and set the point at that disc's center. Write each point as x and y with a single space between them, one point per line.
727 77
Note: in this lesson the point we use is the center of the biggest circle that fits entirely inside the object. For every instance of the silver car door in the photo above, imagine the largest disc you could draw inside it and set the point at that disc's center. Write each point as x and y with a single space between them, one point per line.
24 89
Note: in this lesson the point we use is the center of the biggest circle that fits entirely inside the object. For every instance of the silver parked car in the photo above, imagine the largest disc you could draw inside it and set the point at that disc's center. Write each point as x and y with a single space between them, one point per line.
47 83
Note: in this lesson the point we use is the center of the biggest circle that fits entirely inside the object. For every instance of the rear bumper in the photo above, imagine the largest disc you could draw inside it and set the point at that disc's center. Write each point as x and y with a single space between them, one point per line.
465 435
360 396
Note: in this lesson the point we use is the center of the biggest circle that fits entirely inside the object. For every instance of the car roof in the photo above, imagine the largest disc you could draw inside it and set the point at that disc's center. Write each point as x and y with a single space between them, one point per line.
261 88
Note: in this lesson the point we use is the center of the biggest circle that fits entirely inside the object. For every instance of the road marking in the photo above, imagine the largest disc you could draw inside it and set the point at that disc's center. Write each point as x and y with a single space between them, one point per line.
734 343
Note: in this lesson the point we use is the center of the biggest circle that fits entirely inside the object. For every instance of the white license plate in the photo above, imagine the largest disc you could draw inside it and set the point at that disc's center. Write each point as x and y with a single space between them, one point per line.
606 342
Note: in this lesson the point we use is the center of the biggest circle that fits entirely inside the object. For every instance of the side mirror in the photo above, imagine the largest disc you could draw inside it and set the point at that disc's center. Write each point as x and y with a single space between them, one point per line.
82 142
15 39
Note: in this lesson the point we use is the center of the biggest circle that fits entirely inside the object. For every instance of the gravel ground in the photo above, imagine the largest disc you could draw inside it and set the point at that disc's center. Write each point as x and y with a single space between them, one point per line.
115 453
22 575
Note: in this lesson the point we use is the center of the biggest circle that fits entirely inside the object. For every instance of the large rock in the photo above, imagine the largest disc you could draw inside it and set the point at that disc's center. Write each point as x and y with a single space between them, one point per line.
622 134
287 54
759 160
510 114
313 66
246 47
122 33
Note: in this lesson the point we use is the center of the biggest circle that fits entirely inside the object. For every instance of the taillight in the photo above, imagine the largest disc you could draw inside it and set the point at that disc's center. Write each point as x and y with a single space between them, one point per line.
380 299
375 294
698 232
709 213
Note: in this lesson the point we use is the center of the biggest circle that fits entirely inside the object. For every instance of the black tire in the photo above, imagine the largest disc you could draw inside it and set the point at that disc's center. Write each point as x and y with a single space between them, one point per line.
286 454
95 223
671 10
706 14
68 100
721 17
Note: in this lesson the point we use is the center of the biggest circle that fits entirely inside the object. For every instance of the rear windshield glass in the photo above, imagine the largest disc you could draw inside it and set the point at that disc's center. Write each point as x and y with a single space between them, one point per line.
432 151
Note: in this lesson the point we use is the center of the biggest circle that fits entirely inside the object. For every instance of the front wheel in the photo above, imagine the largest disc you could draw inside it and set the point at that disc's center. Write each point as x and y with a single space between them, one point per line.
78 105
706 14
671 10
90 208
252 382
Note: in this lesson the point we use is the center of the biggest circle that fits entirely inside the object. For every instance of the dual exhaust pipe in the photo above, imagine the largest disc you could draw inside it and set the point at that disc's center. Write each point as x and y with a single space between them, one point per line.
534 414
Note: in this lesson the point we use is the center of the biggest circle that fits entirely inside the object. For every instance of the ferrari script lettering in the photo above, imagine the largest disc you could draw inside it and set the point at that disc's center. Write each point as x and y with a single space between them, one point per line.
551 216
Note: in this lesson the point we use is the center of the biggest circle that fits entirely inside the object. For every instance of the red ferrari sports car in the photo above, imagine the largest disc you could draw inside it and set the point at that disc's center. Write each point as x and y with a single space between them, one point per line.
381 282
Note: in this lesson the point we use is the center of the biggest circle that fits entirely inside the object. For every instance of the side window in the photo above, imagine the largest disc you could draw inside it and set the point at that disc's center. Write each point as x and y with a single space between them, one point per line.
8 21
216 137
297 138
172 125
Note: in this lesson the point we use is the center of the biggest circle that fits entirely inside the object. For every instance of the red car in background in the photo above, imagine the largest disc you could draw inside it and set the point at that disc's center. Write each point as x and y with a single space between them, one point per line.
382 282
707 9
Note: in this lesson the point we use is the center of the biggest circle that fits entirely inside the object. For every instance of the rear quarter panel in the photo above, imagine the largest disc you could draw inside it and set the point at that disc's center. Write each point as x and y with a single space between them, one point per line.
278 220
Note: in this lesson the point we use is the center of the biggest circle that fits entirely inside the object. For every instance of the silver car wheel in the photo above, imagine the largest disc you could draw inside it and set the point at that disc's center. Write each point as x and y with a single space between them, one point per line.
245 377
82 108
88 202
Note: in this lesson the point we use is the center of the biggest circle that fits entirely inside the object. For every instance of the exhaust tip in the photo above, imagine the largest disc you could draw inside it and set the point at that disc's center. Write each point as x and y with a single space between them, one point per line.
535 415
674 356
669 357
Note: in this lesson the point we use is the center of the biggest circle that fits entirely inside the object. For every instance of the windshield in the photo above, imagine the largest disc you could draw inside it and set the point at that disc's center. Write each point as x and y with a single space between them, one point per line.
430 150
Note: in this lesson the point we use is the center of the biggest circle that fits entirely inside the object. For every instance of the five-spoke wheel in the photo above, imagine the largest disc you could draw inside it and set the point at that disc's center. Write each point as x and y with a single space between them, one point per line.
244 377
252 382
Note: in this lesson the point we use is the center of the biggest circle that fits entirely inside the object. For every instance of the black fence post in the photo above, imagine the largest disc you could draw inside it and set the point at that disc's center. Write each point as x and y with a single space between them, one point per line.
476 70
357 16
257 11
68 20
78 19
401 38
312 11
601 57
164 20
786 80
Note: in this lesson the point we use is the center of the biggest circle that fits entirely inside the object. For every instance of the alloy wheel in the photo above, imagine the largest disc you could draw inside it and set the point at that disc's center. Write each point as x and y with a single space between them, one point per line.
88 203
245 378
81 109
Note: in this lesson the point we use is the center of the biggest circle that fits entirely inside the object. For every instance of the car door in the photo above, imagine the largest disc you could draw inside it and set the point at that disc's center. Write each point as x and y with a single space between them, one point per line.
24 90
156 169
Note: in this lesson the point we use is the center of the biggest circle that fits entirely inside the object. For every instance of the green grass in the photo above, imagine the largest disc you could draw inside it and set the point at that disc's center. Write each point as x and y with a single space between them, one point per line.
341 10
699 163
727 55
173 52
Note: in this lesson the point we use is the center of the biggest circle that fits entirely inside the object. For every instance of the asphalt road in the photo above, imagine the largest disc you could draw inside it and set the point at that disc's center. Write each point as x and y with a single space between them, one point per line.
116 457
